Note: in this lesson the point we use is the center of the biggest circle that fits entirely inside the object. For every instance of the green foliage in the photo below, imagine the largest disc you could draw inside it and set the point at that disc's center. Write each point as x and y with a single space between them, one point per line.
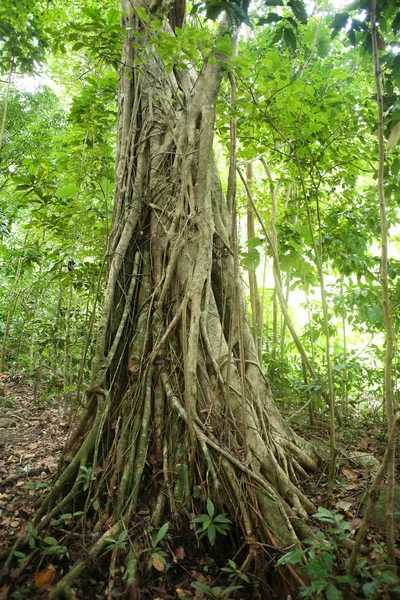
211 524
47 545
119 543
87 476
320 558
54 548
234 571
320 561
23 39
156 553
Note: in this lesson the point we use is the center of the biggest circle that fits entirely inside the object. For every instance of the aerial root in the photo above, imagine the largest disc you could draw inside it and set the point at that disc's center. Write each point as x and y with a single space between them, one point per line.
63 587
260 510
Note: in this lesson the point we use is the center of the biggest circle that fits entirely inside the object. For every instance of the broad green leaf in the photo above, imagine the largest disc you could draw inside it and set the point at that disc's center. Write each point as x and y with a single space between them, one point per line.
299 10
332 593
67 191
142 14
290 38
222 519
50 541
291 558
161 533
123 535
210 508
211 532
254 242
339 22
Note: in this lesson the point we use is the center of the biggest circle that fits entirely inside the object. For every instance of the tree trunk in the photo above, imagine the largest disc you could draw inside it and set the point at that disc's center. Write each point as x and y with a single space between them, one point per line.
169 421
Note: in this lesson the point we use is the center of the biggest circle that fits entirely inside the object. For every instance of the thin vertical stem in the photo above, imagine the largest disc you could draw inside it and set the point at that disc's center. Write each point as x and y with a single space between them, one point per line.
385 297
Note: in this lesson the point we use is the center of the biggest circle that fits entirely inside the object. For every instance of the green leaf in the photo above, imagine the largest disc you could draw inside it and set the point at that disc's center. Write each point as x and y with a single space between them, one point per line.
200 586
231 588
55 550
210 508
211 534
224 45
273 2
67 191
200 519
332 593
123 535
254 242
324 514
339 22
291 558
142 14
50 541
299 10
290 38
251 259
272 18
222 519
161 533
396 23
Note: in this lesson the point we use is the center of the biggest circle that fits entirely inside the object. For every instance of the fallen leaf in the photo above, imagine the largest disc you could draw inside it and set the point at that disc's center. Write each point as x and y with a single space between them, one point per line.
348 472
44 577
343 505
355 524
181 593
14 523
158 564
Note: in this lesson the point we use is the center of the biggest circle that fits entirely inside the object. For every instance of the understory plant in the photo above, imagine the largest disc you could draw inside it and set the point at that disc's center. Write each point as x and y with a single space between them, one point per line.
319 561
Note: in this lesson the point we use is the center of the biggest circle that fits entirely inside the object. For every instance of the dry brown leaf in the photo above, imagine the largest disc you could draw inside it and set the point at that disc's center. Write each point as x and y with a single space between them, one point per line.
343 505
158 564
181 593
348 472
180 553
355 524
14 523
44 577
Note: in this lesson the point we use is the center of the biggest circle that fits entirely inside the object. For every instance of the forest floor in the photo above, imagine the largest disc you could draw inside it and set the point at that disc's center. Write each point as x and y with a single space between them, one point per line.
33 433
30 447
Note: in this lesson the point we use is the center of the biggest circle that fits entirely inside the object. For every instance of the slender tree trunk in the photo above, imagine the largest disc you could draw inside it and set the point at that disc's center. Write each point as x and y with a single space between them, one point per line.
12 308
171 418
389 395
5 108
257 321
345 393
